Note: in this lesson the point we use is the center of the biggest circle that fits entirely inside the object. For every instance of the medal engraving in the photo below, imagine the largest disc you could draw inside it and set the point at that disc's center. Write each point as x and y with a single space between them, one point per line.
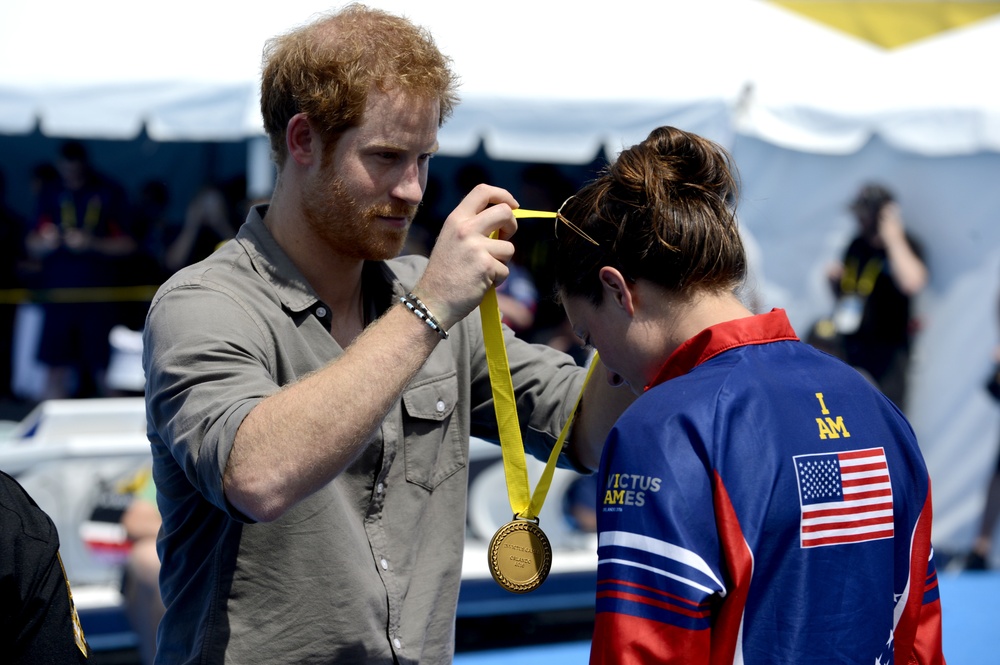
520 556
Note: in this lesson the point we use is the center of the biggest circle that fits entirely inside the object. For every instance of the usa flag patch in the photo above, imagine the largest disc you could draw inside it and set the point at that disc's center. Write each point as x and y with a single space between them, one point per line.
844 497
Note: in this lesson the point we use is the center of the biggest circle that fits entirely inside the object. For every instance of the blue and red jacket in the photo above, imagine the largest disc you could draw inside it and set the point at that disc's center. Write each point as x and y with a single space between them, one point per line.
762 503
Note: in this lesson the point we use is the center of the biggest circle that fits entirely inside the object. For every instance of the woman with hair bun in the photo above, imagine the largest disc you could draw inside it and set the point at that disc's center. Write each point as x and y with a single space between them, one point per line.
760 502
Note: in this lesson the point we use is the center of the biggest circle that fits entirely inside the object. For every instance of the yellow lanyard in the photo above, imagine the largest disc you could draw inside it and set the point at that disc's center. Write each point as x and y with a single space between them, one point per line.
863 285
523 503
91 215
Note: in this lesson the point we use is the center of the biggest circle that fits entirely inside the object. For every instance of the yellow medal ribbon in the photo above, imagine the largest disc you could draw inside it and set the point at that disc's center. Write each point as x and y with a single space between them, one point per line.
521 213
511 446
523 503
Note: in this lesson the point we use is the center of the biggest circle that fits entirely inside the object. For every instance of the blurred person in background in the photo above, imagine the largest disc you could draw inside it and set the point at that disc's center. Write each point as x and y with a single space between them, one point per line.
545 187
978 557
140 581
207 224
12 256
168 244
79 233
882 270
517 296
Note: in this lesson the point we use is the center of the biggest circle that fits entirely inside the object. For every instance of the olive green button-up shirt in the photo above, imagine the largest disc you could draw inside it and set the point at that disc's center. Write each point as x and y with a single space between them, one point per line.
367 569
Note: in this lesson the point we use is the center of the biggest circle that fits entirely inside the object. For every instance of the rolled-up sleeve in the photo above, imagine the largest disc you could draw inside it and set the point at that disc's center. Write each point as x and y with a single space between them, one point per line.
206 360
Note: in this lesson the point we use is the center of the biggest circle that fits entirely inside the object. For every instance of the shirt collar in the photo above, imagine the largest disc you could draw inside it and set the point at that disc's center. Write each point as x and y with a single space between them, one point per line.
710 342
274 265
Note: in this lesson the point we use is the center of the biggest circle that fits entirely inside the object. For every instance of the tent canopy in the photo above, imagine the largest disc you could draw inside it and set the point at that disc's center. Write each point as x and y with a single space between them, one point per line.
548 81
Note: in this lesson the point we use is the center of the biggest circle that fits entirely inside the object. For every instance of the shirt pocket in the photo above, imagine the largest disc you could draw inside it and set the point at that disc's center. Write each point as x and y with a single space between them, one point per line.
432 443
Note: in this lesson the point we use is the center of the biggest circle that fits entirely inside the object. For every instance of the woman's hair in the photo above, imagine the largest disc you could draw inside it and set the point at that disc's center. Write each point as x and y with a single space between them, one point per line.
664 211
326 69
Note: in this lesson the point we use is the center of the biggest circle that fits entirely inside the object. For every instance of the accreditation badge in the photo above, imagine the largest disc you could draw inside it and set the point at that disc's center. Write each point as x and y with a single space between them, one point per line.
848 313
520 556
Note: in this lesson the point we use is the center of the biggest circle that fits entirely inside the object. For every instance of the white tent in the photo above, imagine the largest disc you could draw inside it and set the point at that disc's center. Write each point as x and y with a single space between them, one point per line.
809 113
541 79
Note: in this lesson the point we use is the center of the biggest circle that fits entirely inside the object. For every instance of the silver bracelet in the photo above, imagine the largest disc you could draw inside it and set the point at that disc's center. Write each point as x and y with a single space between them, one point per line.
414 304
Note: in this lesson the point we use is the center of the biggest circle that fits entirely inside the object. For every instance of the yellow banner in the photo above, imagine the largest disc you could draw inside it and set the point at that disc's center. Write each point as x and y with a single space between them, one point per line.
892 24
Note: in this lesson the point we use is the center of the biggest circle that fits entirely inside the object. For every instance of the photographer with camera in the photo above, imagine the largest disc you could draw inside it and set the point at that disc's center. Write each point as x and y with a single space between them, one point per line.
882 270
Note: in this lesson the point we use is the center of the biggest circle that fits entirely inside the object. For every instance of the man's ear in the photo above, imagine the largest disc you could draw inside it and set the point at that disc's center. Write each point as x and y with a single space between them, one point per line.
302 142
618 289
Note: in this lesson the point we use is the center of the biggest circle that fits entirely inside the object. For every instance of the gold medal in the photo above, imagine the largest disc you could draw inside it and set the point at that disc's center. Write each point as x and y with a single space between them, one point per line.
520 556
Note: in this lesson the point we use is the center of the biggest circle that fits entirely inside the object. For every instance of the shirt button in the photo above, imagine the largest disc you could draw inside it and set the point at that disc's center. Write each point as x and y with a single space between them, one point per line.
321 312
396 643
379 488
385 565
440 406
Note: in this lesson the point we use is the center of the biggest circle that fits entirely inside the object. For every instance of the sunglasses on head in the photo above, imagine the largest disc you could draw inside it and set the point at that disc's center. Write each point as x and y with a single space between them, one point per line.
521 213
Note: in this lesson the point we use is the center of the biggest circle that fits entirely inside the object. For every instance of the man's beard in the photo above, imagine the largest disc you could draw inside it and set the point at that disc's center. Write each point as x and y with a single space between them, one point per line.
351 229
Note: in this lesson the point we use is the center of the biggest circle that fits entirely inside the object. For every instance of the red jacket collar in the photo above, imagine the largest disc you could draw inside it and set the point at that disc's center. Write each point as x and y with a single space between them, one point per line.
710 342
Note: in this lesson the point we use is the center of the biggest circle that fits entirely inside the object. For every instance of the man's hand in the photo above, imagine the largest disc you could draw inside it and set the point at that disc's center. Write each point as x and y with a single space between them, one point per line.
890 224
465 261
77 240
906 268
45 240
